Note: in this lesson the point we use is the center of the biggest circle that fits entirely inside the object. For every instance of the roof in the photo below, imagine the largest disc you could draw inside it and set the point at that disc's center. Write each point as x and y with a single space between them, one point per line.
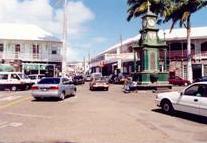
176 34
14 31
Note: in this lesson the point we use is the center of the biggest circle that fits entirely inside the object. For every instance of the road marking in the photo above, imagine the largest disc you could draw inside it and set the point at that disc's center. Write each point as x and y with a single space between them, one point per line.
27 115
12 124
9 98
14 102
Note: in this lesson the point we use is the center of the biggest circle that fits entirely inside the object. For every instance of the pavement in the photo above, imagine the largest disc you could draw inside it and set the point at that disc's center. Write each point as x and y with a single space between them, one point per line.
95 117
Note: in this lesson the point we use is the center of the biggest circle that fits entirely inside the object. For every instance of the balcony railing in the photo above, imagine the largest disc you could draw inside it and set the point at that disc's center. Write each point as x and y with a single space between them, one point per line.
179 54
33 57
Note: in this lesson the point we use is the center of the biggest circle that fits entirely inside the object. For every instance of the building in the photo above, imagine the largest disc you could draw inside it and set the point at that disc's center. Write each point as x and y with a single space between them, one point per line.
122 57
30 49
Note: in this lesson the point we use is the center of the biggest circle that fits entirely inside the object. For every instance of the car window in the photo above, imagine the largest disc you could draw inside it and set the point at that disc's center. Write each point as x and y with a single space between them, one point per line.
49 81
4 76
32 77
191 91
23 76
14 76
202 91
65 80
40 76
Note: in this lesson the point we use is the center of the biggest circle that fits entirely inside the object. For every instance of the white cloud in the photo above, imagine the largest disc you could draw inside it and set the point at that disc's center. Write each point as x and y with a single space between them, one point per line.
41 13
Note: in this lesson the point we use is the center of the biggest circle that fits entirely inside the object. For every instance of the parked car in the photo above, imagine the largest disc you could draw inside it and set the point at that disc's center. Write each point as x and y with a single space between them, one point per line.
193 100
178 81
88 78
117 79
99 83
14 81
53 87
78 79
204 78
96 75
35 78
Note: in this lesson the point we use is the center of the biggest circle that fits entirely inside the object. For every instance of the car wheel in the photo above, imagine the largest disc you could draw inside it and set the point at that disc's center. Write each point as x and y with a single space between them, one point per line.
167 107
62 96
107 89
13 88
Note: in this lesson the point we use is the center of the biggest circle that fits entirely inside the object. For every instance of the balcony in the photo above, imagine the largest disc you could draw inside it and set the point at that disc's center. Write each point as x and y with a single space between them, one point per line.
34 57
179 54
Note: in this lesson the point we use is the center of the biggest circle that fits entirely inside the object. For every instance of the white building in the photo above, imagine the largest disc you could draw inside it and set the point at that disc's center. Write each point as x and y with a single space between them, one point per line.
30 49
121 55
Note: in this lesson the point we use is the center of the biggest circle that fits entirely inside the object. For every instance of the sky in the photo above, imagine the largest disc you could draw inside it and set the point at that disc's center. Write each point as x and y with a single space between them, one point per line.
93 25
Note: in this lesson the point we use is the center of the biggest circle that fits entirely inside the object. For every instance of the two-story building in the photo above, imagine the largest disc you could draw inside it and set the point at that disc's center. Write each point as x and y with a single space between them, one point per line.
122 56
30 49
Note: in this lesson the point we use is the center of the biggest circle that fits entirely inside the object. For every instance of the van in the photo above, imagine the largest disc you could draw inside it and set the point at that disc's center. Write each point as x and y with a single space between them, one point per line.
14 81
35 78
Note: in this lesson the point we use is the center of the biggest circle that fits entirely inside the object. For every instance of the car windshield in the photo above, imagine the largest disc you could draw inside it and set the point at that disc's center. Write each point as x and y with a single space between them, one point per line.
23 76
49 81
32 77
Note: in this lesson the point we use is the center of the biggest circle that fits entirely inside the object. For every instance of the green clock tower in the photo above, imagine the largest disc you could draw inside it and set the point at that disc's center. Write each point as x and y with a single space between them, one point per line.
149 46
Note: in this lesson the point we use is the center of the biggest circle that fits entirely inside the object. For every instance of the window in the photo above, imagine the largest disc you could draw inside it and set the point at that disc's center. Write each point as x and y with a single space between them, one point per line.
4 76
202 91
1 47
35 49
17 48
192 90
14 76
54 52
204 46
50 81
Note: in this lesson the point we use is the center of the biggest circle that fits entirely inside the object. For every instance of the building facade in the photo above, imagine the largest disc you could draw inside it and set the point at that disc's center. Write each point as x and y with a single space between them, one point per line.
123 58
29 49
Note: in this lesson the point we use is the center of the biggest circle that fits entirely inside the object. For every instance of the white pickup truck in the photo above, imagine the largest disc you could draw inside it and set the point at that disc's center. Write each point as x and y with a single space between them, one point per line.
14 81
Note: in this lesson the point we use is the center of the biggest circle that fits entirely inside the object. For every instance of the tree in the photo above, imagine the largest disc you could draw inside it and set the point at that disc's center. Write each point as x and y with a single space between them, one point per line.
139 7
181 11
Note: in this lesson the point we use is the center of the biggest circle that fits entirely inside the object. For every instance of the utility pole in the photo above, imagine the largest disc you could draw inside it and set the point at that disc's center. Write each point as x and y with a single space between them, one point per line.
65 32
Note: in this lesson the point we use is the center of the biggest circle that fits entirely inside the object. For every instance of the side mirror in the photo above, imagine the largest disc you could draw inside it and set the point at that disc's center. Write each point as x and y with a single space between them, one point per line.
181 94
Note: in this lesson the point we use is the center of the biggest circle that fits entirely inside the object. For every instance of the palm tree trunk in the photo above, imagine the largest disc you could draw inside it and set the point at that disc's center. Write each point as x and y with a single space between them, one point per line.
189 64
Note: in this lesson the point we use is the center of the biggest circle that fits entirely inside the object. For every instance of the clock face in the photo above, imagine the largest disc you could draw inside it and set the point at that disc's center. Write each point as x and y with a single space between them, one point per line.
144 23
151 22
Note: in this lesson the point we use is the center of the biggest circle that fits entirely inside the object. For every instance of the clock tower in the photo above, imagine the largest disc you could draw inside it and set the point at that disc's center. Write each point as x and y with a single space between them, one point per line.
149 46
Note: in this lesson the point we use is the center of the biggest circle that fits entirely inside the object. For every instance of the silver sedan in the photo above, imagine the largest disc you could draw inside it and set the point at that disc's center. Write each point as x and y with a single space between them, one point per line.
53 87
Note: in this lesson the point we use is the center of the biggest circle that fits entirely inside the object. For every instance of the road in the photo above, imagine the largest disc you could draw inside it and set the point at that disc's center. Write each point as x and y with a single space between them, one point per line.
95 117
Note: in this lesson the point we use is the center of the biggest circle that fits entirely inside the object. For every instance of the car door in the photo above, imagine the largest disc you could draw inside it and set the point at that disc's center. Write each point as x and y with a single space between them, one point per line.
65 86
188 101
203 101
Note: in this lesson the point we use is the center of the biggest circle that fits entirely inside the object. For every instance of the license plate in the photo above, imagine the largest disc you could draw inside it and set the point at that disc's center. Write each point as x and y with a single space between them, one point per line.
44 89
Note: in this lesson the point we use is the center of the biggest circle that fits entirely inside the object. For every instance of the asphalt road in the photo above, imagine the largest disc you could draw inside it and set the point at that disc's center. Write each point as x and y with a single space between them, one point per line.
95 117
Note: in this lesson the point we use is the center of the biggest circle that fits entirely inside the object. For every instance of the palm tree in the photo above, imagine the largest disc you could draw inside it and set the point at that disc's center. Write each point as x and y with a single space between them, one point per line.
139 7
181 11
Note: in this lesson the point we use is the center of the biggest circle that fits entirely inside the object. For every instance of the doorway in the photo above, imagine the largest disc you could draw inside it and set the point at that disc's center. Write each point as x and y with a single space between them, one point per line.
197 71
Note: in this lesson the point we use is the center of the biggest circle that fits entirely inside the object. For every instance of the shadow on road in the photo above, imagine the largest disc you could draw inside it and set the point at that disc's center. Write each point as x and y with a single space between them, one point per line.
186 116
51 99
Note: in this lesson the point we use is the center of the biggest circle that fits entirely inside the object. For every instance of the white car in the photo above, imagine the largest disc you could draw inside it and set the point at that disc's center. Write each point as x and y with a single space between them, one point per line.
35 78
193 100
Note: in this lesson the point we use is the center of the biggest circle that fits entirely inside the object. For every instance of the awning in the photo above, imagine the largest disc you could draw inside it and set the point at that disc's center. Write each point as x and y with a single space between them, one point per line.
35 67
6 68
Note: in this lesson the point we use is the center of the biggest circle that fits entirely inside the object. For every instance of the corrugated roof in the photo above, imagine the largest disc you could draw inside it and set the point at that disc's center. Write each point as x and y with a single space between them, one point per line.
14 31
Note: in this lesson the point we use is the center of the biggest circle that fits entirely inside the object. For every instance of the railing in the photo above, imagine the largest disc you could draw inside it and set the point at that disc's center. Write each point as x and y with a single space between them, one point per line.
178 54
33 57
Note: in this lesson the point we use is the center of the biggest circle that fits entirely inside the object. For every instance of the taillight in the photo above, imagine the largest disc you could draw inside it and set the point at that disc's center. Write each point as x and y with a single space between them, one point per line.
54 88
34 87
